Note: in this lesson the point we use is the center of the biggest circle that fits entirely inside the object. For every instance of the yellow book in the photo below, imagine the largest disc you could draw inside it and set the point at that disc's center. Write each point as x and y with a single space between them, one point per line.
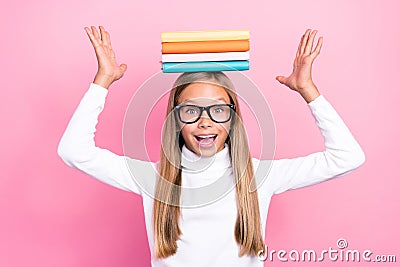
215 35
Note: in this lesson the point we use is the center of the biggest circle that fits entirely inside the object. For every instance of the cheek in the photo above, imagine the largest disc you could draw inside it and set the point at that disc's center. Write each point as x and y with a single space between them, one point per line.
186 131
224 128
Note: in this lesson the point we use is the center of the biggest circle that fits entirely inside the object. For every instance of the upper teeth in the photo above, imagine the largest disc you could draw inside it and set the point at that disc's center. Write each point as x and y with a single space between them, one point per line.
206 136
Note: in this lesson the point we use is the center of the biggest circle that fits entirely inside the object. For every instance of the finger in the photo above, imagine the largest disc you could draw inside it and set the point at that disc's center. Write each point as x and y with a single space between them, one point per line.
281 79
108 38
104 36
91 37
96 34
123 67
304 41
299 47
317 49
310 43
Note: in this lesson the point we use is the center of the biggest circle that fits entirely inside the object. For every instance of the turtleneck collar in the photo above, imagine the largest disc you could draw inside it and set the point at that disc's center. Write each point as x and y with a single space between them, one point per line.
194 163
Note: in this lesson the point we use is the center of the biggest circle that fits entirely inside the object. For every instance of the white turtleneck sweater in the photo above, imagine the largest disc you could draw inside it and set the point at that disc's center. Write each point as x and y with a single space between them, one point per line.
208 212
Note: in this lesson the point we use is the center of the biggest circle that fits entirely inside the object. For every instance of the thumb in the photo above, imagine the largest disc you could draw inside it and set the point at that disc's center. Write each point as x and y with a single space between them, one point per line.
281 79
123 67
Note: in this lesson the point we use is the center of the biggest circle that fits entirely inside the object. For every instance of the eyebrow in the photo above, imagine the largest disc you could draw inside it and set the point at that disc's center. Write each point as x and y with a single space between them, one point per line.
194 101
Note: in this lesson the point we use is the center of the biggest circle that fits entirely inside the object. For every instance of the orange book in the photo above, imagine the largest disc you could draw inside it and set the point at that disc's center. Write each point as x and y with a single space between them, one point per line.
205 46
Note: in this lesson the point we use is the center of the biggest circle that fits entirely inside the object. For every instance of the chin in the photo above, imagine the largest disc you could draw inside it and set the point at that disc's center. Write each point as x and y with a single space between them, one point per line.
209 152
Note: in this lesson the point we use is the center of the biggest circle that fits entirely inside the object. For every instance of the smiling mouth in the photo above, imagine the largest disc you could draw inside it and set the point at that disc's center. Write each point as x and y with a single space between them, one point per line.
206 140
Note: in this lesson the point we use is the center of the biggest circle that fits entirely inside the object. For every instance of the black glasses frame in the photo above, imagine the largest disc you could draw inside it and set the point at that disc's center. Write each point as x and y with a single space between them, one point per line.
207 109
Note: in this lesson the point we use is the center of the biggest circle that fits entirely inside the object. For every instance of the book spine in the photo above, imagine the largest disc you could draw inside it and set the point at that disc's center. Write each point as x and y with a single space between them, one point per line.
223 56
189 36
170 67
205 47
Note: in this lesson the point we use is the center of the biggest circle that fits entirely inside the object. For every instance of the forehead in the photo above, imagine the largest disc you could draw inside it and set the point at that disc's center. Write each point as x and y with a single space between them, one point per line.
204 93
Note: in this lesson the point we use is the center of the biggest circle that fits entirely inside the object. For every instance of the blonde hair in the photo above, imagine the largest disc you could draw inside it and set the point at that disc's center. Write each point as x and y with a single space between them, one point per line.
166 210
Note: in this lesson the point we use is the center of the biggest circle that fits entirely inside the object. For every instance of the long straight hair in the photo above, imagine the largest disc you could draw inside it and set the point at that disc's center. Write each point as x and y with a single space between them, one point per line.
166 210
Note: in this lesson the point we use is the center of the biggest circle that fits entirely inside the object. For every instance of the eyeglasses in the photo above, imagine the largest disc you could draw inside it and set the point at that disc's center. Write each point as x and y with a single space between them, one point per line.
218 113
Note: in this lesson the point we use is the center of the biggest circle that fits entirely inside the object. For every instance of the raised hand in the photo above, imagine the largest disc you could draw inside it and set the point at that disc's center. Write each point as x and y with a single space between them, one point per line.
300 80
108 70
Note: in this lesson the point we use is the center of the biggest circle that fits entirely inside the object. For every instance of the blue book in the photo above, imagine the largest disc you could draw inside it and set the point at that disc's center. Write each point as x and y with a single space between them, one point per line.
233 65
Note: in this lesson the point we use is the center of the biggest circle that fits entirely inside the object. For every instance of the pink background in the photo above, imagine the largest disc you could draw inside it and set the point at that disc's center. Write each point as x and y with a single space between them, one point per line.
52 215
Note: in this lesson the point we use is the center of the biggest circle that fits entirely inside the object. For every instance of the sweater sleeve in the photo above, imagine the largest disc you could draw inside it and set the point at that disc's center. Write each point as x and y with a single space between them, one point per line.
78 150
341 156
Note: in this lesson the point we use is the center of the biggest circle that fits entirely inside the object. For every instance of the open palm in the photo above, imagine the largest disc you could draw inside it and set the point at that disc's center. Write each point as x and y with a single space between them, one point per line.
301 79
108 69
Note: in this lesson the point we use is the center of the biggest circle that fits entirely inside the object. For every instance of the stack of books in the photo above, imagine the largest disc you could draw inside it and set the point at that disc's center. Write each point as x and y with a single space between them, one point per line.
218 50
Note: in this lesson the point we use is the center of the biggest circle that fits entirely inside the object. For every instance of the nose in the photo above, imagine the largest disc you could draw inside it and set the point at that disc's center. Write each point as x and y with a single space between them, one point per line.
204 120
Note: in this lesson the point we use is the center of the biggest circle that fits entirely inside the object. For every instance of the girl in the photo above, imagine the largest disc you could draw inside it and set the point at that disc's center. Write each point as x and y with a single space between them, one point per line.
203 123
